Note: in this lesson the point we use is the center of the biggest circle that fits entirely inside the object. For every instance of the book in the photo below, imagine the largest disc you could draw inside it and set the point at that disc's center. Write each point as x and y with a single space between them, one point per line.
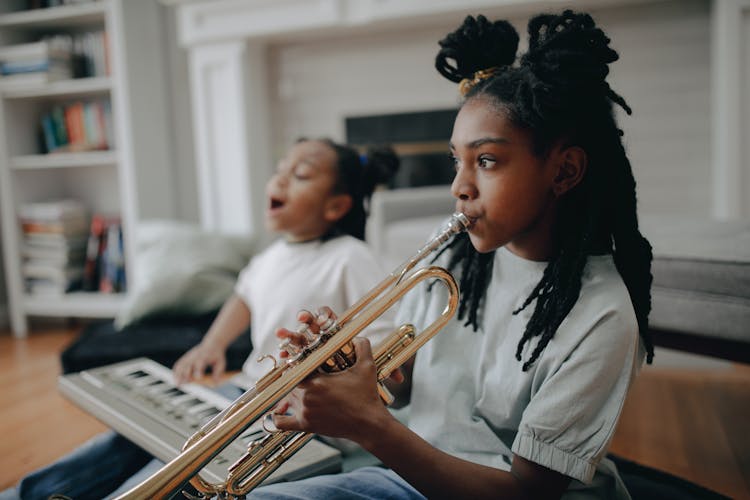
74 124
51 272
49 278
112 277
52 210
66 253
52 240
94 250
24 80
67 227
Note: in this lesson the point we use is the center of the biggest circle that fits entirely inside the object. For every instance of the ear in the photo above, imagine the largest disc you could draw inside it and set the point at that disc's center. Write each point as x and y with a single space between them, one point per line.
337 206
571 169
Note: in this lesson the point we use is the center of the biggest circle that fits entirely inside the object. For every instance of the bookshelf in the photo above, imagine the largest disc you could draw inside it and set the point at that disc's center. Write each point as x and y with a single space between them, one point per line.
120 149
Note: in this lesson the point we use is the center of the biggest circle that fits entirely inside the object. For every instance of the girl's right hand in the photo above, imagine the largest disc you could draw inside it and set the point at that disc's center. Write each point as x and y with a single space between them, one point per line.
193 364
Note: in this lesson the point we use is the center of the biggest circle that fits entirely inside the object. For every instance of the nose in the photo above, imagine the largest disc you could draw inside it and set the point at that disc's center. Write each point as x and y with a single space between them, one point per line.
463 186
280 179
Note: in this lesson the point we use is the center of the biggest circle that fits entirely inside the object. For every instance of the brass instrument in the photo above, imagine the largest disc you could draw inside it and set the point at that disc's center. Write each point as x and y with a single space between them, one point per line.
331 350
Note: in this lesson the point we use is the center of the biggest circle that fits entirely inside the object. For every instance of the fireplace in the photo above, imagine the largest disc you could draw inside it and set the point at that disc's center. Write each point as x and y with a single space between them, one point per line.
419 138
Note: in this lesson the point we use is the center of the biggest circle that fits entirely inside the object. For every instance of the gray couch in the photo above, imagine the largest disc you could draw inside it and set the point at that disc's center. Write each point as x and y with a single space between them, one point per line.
701 268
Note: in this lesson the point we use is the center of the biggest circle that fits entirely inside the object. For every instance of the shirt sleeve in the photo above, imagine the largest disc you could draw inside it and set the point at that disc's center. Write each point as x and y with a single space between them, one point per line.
243 286
575 403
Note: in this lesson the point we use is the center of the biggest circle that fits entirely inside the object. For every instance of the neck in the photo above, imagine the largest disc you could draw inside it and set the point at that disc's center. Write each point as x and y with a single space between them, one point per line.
306 238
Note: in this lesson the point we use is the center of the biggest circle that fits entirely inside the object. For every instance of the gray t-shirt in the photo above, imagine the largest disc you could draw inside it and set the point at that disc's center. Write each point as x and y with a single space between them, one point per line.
470 397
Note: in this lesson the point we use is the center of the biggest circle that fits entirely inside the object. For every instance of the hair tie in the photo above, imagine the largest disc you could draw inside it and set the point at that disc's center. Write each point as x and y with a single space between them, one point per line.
466 84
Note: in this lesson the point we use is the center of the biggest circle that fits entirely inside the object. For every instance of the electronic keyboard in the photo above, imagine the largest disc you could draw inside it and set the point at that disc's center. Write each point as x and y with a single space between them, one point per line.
139 400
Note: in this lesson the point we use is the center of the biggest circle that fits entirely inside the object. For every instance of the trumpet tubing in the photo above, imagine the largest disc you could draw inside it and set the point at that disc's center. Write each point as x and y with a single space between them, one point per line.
330 351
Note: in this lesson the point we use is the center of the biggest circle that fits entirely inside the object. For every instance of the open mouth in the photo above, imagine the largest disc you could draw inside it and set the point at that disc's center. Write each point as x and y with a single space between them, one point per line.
276 204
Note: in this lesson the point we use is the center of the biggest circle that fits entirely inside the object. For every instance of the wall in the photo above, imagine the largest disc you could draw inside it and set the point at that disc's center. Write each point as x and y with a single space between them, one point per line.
745 125
4 318
181 119
663 73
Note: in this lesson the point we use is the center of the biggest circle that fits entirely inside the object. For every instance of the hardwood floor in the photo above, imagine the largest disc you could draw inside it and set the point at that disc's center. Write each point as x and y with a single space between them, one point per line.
37 424
691 423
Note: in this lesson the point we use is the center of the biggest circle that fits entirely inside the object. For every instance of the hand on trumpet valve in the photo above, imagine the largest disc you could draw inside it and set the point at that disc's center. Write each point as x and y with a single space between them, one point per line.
342 404
308 330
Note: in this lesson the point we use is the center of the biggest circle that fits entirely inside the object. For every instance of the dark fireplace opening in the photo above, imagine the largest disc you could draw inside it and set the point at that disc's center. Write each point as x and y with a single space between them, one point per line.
419 138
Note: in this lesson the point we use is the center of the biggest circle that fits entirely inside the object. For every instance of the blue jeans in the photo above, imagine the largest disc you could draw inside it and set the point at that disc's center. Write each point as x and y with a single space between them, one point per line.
90 472
97 468
367 483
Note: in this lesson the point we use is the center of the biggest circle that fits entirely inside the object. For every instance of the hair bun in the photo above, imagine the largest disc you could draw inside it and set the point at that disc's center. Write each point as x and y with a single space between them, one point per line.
568 47
380 165
476 45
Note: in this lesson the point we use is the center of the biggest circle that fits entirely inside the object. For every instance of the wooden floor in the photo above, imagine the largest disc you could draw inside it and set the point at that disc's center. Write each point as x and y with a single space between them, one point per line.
692 423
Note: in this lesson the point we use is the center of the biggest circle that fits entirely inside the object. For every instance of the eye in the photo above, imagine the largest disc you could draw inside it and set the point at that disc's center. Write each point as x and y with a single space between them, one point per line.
485 162
453 160
302 171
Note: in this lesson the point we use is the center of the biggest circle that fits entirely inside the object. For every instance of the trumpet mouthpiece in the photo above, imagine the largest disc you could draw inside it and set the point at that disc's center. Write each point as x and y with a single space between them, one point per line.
462 221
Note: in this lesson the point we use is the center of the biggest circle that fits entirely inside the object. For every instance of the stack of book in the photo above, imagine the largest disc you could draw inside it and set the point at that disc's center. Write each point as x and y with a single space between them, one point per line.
54 245
36 63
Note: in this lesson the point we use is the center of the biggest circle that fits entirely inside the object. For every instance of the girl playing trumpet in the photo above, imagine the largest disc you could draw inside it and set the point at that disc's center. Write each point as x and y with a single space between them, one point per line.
520 395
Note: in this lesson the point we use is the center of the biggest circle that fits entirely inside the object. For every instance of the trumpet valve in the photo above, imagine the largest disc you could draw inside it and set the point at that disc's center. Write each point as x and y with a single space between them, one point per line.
327 322
341 360
385 394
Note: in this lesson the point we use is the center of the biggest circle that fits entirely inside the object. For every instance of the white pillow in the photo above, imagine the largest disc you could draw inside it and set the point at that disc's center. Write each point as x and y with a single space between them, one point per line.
403 238
181 269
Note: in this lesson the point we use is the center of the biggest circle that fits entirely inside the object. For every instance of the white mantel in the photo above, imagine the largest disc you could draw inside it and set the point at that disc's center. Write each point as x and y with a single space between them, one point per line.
227 40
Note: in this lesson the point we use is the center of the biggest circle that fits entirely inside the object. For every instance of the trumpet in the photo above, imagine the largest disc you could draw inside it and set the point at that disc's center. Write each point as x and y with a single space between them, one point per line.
330 350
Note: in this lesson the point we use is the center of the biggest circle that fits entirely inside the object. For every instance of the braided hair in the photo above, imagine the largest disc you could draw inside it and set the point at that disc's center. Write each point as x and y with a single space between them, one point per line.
557 91
358 176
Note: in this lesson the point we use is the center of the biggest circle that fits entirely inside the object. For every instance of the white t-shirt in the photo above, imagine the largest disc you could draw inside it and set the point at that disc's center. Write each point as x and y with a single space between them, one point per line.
288 277
470 397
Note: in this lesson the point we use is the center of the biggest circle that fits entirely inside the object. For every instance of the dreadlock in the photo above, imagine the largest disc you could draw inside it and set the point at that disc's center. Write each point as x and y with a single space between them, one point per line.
558 91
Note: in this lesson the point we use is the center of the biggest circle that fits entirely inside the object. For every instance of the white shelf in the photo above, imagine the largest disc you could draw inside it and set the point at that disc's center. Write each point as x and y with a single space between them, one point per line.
74 304
64 160
62 16
131 181
62 88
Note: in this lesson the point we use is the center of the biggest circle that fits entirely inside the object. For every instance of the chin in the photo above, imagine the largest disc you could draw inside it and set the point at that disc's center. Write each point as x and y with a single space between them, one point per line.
481 245
272 225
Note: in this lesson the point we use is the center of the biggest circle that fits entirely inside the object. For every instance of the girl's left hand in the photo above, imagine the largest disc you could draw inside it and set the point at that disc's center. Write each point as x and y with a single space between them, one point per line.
342 404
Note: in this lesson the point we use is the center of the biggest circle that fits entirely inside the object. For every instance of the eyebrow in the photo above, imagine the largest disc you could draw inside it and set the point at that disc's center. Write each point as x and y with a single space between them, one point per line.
481 142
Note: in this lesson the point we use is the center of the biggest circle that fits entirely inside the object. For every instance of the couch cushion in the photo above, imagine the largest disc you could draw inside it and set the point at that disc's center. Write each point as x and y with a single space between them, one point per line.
701 274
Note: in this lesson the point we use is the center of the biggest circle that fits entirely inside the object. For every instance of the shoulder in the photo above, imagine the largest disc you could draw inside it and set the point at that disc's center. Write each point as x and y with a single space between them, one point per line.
269 252
604 305
347 247
602 285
